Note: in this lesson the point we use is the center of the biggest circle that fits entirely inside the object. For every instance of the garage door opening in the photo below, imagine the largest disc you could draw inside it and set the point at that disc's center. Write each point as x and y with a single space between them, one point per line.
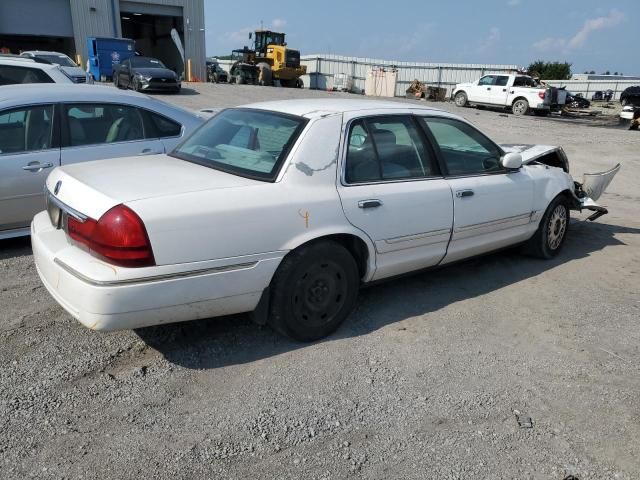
152 34
23 43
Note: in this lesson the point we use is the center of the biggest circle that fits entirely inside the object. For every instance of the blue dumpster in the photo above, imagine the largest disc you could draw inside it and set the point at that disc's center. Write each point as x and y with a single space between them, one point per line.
106 53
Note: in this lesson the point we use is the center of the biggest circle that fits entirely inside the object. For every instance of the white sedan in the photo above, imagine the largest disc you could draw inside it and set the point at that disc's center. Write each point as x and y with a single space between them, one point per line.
285 208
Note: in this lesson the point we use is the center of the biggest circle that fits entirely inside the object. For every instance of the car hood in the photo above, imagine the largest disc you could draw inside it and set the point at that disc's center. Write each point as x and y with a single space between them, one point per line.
529 152
74 71
156 72
92 188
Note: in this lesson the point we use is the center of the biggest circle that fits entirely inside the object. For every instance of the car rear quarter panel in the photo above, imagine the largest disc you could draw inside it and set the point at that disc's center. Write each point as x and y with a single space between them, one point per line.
302 205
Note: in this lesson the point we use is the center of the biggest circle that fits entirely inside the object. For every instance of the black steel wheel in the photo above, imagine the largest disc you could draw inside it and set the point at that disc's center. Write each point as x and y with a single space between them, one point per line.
313 291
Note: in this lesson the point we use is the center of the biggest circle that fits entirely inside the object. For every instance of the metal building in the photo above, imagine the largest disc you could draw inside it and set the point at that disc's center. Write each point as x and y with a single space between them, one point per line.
64 25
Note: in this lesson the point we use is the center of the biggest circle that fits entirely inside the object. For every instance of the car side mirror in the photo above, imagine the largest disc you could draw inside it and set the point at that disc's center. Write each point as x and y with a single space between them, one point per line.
512 161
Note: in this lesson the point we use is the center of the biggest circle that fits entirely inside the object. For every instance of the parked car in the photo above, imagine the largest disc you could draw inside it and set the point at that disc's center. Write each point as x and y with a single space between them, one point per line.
24 70
630 96
42 128
520 93
285 208
68 66
215 73
145 74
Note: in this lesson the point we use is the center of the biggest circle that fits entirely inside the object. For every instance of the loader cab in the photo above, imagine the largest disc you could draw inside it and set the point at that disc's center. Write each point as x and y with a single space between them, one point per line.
265 38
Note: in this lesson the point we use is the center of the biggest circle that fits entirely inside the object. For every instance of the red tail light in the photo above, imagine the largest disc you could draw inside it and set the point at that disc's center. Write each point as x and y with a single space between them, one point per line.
119 237
541 95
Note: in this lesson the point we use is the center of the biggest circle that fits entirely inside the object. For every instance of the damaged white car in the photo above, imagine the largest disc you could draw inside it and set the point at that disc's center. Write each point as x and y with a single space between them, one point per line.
285 209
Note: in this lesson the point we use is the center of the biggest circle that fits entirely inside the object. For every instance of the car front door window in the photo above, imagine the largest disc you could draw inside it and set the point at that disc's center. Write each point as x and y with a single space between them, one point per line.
463 149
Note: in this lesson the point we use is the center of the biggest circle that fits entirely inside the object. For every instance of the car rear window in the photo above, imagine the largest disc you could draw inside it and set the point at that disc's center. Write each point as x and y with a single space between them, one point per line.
11 75
246 142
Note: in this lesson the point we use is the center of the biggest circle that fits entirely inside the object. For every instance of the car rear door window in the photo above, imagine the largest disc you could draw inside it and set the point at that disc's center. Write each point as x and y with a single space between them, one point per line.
502 80
11 75
386 148
27 129
94 124
463 149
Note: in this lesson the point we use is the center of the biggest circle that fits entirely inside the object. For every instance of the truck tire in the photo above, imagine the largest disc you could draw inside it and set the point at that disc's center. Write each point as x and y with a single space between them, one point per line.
460 99
240 80
520 107
552 231
313 291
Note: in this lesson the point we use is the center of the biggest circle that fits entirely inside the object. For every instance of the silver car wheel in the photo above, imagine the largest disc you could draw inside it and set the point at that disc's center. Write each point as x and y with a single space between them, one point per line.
557 227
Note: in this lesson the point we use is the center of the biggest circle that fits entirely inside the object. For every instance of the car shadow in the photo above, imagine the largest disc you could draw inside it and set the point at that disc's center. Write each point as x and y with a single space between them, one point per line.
15 247
231 340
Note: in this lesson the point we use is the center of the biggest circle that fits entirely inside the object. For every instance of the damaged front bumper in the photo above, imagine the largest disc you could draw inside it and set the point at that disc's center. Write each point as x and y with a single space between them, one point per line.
589 191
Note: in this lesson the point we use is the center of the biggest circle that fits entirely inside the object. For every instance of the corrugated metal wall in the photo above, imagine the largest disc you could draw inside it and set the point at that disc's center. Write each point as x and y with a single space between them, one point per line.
321 68
101 18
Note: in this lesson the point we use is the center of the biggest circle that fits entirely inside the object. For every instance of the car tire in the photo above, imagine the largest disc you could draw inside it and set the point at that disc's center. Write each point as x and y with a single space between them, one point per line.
520 107
136 85
116 83
552 232
460 99
313 291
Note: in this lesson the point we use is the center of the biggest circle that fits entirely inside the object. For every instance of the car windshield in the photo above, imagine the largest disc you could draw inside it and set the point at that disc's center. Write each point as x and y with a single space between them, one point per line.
143 62
61 60
250 143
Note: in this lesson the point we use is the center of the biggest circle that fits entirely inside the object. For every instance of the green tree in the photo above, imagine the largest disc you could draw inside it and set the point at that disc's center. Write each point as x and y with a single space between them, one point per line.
550 70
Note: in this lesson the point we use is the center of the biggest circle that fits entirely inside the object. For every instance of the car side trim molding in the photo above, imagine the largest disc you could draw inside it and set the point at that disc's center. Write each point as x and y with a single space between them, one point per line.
153 278
493 226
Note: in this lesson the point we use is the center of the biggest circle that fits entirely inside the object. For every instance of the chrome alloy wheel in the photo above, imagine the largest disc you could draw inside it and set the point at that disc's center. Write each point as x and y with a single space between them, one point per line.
557 227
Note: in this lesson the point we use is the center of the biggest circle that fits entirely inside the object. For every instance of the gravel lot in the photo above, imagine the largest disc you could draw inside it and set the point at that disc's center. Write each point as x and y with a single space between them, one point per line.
428 379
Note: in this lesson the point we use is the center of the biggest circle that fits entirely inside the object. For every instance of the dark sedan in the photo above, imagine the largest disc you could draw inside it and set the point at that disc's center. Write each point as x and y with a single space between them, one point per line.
631 96
145 74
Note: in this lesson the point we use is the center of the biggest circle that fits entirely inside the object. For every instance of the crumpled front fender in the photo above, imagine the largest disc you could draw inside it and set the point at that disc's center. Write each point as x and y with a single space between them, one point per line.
592 187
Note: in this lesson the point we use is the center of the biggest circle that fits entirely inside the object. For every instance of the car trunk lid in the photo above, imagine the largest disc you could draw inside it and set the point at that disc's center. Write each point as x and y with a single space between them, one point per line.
92 188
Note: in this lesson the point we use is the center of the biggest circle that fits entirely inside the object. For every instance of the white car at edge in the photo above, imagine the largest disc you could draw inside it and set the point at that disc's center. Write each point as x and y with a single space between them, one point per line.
285 208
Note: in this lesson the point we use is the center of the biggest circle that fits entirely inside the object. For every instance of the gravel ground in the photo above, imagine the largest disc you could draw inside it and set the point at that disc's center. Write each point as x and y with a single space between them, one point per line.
502 367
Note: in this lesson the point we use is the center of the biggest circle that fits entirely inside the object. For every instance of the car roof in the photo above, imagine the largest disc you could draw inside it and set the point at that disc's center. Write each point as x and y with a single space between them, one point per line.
52 92
26 62
319 107
44 52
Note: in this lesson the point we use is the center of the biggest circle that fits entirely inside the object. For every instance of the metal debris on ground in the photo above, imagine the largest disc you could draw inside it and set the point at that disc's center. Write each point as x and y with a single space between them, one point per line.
524 421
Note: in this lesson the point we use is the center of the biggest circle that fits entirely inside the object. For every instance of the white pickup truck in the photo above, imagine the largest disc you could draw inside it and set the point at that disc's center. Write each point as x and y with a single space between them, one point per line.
521 93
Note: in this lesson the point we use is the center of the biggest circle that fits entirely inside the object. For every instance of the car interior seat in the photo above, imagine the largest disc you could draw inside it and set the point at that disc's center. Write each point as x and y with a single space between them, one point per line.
126 127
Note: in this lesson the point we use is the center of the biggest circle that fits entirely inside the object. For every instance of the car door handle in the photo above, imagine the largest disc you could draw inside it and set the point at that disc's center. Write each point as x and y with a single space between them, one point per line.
504 89
37 166
371 203
464 193
488 88
148 151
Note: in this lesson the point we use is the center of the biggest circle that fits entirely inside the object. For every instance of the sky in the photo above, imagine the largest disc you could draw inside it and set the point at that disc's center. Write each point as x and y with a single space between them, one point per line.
595 35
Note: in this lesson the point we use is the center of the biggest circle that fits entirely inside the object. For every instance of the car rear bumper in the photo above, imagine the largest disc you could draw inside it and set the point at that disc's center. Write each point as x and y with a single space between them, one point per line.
163 294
